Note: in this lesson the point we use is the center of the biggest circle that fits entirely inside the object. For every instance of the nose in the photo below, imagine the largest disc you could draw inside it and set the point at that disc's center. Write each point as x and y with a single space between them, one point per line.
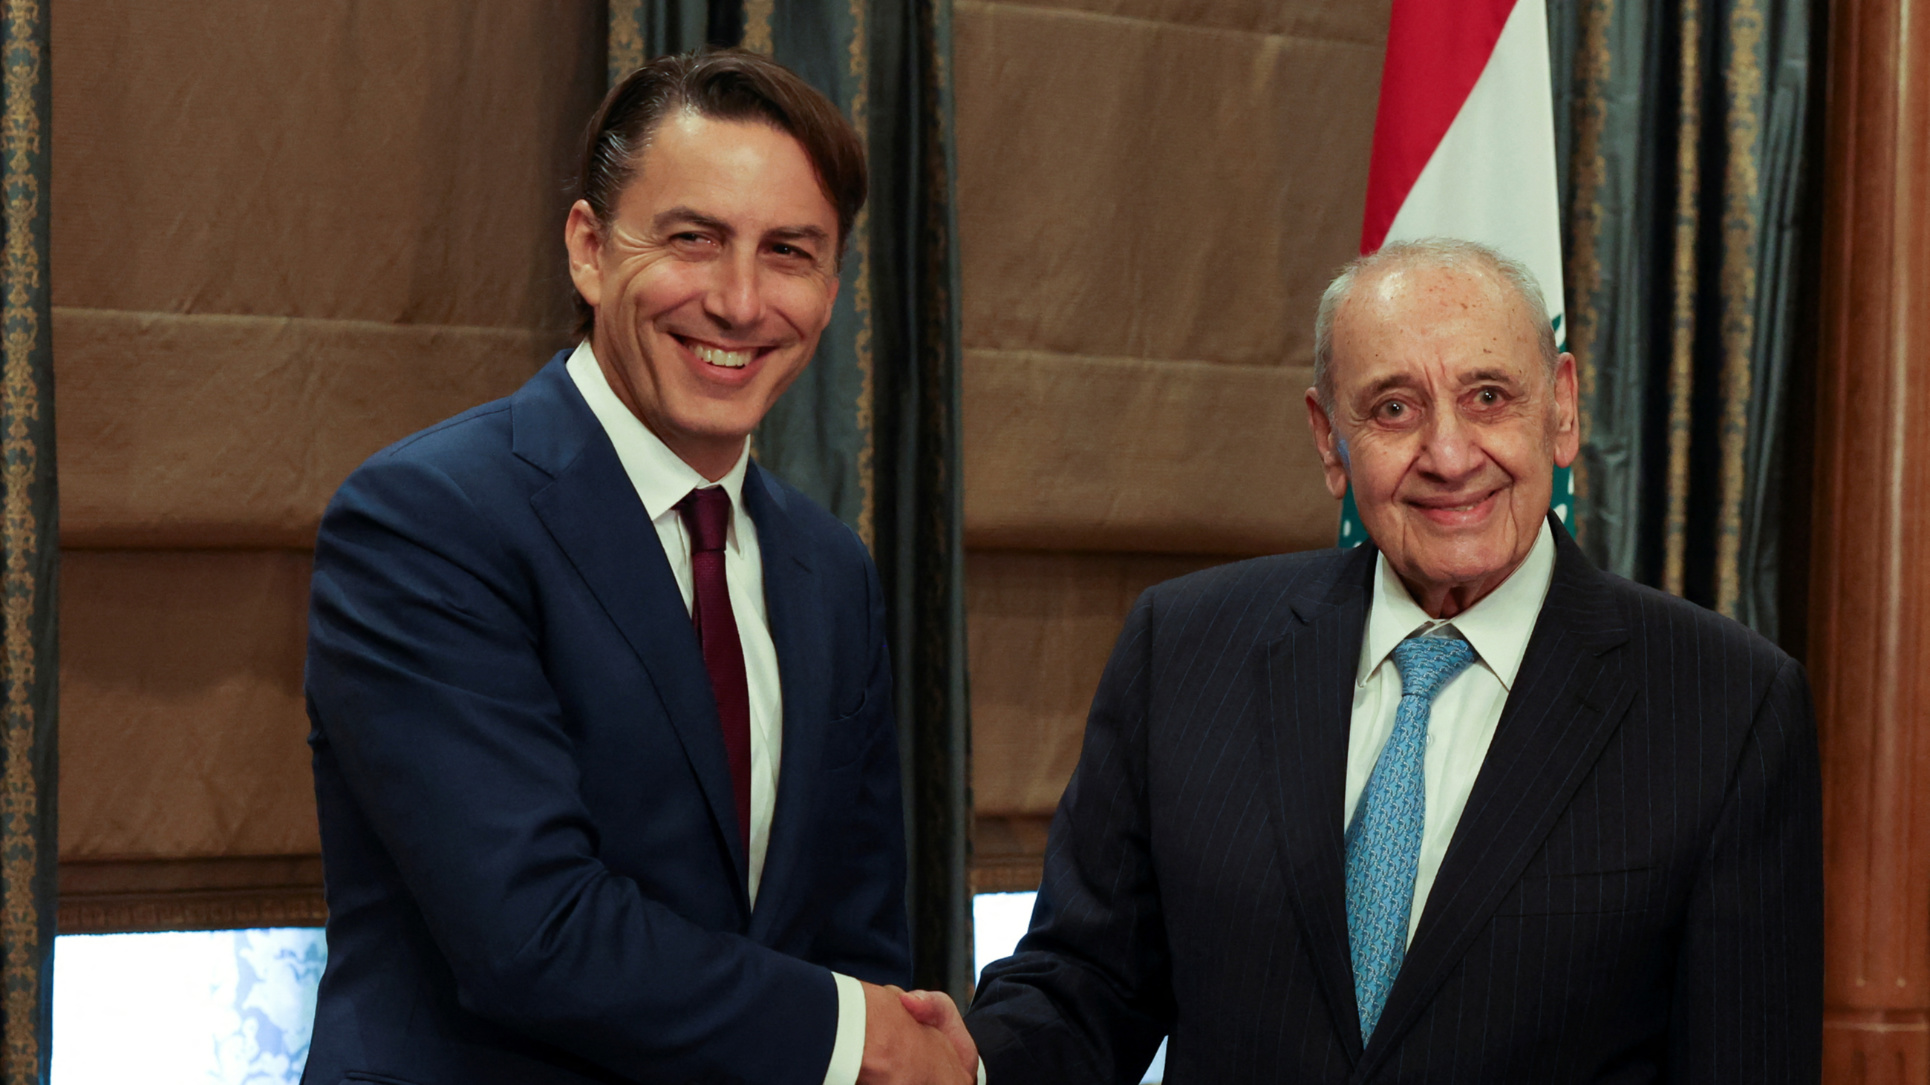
736 296
1451 451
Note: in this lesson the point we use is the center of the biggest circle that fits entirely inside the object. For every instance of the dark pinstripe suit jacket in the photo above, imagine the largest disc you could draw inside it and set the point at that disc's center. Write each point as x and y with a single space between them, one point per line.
1633 894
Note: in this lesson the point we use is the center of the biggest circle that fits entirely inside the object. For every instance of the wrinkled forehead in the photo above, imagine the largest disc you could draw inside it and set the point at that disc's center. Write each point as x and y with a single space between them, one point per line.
1434 323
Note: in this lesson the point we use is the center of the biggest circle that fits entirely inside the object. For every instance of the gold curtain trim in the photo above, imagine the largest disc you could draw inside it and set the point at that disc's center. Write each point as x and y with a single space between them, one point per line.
1742 180
626 50
1594 63
860 70
1682 341
757 25
21 925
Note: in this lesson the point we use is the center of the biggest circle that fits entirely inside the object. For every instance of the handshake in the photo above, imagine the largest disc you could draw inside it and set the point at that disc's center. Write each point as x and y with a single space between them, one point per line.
917 1037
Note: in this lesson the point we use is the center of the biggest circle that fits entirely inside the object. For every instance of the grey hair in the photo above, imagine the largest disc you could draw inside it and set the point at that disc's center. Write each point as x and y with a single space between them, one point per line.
1435 252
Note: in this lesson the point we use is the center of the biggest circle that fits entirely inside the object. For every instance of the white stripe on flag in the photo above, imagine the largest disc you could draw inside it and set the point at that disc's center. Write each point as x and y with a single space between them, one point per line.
1492 177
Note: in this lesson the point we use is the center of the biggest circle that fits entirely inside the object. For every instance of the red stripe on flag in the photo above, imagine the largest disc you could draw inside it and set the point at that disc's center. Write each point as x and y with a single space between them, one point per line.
1436 50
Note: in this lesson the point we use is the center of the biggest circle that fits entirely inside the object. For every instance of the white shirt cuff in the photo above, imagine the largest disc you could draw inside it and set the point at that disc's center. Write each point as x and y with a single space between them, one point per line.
981 1072
847 1053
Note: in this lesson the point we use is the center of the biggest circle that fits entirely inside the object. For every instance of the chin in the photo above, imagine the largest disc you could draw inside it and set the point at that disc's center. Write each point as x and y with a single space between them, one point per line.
1468 569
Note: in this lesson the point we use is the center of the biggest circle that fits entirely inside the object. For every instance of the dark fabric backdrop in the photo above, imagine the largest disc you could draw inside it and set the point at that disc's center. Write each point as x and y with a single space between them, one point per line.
871 429
29 539
1687 132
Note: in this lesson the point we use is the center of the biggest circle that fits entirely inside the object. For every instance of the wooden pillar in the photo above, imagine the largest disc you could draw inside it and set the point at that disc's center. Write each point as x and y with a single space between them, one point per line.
1870 575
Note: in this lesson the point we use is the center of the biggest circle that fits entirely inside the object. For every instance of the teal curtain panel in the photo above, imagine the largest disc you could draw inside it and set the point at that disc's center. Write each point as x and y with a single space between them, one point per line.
1688 132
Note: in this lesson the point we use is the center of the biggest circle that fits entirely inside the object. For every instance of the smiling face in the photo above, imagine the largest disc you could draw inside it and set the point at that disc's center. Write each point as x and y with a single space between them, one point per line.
711 282
1453 425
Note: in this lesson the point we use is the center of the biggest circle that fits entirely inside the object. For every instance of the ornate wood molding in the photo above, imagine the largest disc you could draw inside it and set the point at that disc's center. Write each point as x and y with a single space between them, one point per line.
1870 573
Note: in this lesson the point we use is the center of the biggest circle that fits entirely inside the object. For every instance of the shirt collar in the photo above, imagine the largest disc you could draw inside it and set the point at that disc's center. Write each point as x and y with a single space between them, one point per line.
1497 627
660 477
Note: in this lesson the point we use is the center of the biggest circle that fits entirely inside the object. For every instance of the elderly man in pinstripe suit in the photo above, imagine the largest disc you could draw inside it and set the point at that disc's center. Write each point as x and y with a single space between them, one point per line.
1453 807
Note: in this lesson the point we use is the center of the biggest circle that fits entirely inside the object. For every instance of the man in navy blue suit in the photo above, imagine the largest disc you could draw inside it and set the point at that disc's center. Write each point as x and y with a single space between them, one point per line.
603 743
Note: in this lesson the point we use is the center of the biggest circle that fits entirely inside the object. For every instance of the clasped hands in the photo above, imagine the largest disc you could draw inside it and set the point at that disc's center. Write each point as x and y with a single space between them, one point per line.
916 1037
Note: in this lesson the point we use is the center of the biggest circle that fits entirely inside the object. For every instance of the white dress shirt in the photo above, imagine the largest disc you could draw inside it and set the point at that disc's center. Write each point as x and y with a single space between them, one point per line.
662 480
1462 721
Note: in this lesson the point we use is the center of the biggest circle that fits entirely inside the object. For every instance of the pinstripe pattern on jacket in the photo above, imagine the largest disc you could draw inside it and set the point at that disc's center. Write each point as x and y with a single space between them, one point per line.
1633 893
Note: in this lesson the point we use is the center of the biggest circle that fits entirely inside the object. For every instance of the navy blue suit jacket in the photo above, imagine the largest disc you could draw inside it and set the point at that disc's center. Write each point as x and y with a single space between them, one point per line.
534 870
1633 892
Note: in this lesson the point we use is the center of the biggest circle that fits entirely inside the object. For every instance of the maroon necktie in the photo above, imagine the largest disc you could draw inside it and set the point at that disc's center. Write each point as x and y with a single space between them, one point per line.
706 515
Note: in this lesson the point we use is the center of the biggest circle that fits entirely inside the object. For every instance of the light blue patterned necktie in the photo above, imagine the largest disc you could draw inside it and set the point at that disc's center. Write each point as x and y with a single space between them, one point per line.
1384 842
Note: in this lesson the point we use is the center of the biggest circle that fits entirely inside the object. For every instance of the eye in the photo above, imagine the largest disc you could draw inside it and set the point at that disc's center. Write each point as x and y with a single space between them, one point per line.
1489 396
791 253
1393 410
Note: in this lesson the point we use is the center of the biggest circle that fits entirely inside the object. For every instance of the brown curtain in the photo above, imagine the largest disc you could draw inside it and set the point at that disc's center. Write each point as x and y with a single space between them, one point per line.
289 234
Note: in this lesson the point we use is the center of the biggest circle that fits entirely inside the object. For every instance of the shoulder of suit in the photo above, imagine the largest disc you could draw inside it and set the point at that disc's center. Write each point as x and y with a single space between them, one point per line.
482 426
477 443
1655 615
1307 573
812 520
465 449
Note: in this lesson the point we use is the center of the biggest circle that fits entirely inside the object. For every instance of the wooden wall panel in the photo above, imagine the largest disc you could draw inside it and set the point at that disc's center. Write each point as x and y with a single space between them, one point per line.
1870 594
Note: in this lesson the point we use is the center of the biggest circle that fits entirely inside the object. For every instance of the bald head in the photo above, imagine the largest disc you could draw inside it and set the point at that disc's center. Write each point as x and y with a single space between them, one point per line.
1514 282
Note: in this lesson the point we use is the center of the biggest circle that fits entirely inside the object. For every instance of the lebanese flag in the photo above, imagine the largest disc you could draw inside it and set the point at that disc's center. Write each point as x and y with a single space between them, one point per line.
1464 143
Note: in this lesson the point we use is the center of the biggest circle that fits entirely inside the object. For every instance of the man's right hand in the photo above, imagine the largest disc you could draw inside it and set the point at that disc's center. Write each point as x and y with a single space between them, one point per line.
897 1049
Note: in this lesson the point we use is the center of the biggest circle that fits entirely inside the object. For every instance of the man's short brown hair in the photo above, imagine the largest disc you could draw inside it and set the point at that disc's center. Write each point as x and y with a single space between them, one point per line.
723 85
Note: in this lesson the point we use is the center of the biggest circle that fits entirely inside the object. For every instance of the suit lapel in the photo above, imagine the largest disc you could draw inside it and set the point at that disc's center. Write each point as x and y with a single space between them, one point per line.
798 633
591 510
1310 679
1567 700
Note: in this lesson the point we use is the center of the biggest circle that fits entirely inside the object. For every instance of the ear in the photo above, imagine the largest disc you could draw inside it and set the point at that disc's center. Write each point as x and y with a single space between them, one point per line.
583 238
1568 425
1331 464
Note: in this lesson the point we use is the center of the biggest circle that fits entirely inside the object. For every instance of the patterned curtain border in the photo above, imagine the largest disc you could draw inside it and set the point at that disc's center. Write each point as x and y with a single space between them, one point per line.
31 528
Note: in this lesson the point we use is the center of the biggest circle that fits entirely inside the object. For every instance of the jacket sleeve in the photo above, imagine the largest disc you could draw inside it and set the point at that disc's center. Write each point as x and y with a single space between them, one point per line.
1749 976
1087 995
427 689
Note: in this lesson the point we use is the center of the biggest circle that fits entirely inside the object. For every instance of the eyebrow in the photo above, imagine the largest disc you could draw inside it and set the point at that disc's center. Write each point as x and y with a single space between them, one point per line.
1479 376
1490 376
690 216
800 233
1384 384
